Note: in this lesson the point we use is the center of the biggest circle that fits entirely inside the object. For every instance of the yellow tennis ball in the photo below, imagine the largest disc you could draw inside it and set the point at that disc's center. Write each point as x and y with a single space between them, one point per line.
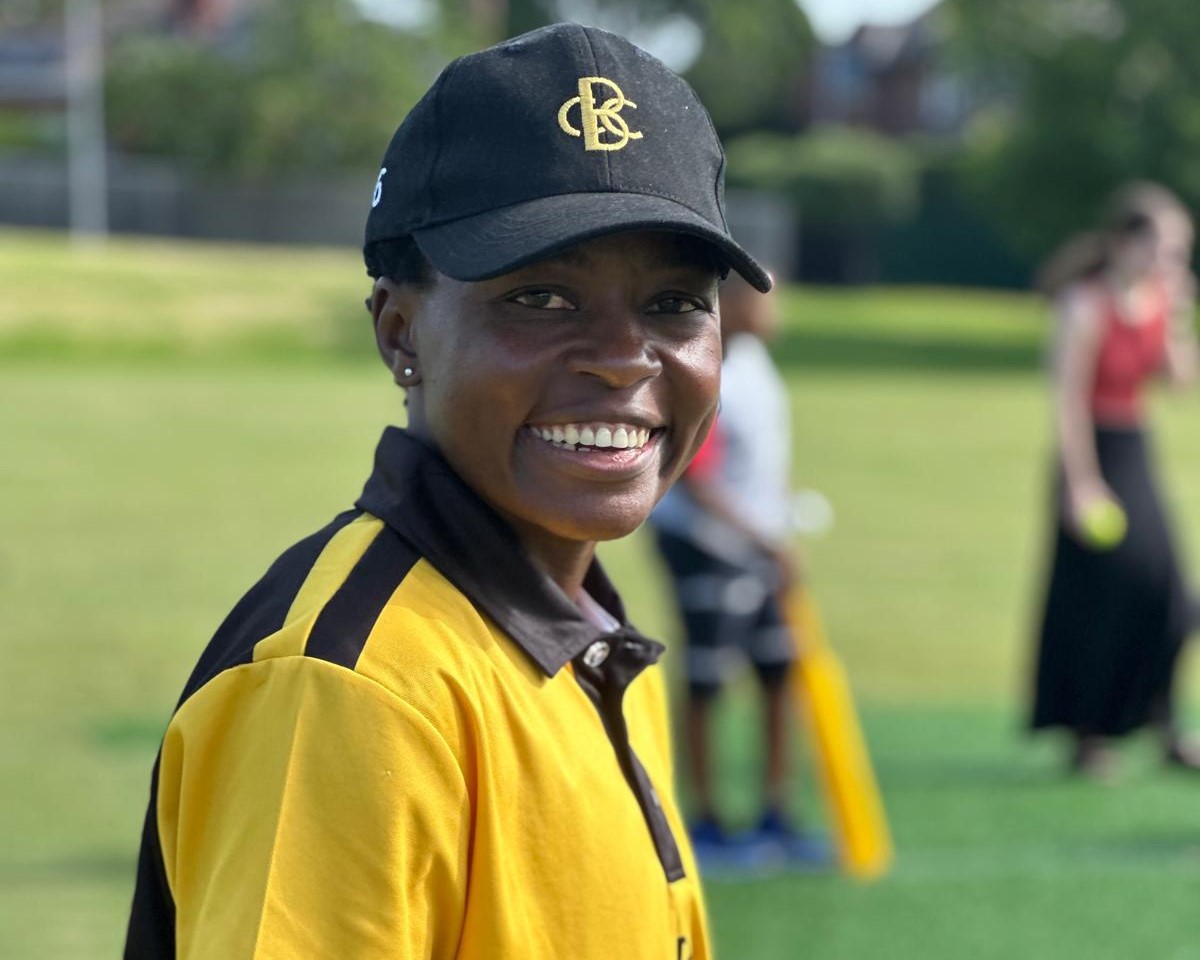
1104 525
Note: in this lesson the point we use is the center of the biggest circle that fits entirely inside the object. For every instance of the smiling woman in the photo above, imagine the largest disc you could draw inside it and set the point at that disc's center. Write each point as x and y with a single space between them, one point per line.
616 345
430 729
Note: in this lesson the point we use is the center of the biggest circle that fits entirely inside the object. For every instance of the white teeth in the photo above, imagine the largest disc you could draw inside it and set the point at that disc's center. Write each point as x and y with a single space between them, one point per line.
604 436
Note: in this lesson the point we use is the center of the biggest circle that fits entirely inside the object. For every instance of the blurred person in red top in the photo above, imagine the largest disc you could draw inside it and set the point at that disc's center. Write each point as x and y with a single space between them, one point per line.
724 533
1117 611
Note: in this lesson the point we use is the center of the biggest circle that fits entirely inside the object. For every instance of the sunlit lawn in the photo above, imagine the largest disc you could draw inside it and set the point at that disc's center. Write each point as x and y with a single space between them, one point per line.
172 417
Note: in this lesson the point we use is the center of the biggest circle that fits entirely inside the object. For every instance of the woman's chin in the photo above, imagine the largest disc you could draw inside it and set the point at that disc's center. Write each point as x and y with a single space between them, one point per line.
585 513
596 528
598 520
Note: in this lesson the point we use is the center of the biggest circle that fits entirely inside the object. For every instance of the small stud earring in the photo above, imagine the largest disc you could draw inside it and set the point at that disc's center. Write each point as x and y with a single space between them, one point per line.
408 371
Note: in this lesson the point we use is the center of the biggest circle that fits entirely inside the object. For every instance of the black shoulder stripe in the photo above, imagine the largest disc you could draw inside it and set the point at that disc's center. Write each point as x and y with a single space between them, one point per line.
262 611
151 931
345 622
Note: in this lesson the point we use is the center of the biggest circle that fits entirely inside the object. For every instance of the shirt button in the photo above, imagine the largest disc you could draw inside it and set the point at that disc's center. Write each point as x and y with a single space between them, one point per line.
596 654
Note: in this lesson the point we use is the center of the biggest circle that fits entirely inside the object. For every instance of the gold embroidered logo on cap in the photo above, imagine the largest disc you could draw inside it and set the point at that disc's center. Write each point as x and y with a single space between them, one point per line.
596 121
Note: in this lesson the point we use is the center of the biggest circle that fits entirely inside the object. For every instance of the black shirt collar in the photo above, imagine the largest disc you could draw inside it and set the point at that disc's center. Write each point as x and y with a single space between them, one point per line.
416 493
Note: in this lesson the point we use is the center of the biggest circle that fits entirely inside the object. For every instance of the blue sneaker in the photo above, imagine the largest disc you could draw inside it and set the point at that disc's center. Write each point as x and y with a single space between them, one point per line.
801 849
707 832
732 856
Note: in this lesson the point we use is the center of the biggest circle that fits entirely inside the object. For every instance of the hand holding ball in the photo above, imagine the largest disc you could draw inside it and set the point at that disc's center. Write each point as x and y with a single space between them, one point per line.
1103 524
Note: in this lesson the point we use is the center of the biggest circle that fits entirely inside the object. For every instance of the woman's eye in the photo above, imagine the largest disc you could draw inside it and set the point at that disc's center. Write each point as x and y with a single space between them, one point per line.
676 305
543 300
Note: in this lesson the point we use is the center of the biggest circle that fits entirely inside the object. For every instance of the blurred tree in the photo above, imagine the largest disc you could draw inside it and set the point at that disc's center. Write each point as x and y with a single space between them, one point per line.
299 85
837 176
753 65
846 184
526 15
23 13
1085 94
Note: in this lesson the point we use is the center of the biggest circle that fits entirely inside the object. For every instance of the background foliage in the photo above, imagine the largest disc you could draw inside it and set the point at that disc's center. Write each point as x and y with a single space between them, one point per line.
1066 101
313 86
301 86
1081 96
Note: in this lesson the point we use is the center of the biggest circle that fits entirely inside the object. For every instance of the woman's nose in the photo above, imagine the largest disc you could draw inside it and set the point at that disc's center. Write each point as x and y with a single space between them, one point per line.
616 349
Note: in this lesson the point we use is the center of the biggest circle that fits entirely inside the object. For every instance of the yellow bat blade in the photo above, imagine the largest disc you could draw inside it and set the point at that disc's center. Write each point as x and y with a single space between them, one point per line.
840 755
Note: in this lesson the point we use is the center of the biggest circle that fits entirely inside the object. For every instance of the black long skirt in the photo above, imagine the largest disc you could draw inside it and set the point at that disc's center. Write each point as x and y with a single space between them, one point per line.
1114 621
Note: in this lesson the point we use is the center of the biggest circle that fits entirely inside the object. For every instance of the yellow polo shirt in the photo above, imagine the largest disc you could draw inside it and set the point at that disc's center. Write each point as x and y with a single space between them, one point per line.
406 742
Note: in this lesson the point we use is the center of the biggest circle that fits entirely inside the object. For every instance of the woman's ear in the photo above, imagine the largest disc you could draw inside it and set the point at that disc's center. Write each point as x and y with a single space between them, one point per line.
393 307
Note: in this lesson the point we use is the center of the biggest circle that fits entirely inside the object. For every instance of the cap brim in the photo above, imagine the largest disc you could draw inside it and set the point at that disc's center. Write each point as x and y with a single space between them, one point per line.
498 241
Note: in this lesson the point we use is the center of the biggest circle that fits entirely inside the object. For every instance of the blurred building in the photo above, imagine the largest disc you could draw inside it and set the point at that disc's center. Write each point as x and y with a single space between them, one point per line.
33 47
145 195
31 68
890 79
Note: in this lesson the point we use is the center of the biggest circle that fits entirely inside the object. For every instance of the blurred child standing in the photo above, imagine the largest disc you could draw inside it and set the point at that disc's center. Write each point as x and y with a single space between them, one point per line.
723 531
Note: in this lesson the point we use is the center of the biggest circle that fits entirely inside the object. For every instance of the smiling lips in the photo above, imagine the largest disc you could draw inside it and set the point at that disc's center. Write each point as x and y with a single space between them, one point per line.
619 436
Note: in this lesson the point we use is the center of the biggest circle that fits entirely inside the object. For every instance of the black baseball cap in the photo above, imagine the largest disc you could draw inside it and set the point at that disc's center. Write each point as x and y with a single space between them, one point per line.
541 142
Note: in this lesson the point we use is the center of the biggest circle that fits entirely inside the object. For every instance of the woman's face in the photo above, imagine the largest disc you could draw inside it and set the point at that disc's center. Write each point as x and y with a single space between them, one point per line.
1173 243
571 393
1164 249
1134 255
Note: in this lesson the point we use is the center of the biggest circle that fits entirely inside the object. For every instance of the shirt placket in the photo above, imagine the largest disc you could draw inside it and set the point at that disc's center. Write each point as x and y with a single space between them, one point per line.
605 670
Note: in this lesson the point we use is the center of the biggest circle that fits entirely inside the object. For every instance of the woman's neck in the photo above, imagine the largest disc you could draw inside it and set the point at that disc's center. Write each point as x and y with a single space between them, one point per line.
1130 297
566 562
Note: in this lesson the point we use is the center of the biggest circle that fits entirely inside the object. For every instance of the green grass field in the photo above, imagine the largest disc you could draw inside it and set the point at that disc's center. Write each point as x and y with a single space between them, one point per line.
173 416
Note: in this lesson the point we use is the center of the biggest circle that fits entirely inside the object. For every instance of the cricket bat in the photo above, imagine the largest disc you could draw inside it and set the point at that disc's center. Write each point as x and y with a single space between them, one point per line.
857 818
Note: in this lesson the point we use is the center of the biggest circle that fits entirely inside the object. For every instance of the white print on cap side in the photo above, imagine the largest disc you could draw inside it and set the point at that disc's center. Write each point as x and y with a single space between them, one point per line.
377 195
